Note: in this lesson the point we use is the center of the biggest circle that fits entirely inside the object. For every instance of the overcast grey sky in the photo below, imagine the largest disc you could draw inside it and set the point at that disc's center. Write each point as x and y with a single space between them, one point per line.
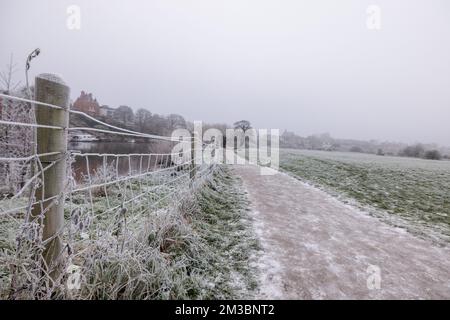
306 66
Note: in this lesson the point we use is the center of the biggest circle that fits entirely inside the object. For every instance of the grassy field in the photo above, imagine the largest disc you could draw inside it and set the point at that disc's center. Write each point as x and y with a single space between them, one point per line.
415 190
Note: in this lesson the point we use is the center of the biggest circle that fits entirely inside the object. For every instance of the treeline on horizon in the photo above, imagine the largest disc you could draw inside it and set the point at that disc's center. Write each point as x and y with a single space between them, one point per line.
145 121
325 142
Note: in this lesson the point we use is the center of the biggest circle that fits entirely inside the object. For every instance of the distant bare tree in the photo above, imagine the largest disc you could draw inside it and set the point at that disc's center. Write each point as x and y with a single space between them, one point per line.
157 125
242 124
14 141
142 119
175 121
7 84
415 151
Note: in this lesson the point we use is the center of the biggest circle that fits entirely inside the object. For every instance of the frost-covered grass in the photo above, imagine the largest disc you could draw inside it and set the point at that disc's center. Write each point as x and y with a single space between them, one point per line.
223 222
415 190
200 249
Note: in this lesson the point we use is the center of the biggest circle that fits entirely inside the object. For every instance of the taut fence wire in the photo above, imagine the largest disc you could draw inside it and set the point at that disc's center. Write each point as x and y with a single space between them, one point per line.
97 200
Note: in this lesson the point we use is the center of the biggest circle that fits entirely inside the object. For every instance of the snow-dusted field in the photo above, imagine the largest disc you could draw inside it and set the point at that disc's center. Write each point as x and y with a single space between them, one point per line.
411 193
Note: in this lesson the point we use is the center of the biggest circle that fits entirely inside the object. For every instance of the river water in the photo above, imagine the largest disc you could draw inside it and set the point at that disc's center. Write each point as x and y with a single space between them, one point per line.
124 165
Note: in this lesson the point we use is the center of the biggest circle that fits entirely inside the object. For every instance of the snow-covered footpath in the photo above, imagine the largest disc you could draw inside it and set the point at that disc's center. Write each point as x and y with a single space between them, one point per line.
316 247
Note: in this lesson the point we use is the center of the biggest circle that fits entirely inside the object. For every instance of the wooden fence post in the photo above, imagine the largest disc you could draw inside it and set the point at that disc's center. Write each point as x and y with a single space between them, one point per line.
192 166
51 89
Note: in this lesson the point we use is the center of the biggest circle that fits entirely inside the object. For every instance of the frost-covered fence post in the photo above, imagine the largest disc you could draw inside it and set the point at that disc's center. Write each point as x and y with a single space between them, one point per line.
192 166
51 89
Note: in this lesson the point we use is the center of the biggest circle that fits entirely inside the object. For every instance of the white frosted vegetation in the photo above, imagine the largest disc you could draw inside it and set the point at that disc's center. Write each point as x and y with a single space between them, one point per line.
411 193
199 248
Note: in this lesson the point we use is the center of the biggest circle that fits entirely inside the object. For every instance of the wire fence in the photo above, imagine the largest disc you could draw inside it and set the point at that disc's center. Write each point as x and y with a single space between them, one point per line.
100 203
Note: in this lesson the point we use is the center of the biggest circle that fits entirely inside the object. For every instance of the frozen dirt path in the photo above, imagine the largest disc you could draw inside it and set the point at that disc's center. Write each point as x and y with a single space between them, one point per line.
316 247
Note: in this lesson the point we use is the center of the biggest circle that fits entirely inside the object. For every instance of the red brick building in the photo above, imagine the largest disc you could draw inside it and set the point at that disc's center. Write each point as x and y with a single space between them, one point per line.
87 104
